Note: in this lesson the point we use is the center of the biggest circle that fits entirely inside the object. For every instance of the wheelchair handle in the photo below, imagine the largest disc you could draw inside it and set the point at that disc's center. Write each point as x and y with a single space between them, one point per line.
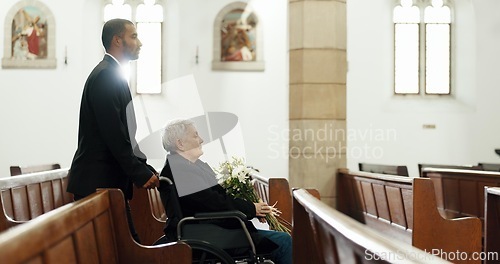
164 183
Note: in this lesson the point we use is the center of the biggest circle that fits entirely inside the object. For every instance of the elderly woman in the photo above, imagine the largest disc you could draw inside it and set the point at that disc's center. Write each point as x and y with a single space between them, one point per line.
198 190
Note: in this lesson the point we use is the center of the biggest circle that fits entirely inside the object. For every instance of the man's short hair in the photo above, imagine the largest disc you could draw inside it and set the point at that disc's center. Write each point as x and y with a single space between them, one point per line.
113 27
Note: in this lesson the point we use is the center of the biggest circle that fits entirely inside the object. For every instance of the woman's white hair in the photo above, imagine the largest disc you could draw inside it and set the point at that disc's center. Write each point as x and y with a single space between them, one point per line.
173 131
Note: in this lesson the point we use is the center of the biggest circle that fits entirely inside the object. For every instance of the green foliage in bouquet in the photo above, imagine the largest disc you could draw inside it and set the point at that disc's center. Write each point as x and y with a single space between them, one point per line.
234 177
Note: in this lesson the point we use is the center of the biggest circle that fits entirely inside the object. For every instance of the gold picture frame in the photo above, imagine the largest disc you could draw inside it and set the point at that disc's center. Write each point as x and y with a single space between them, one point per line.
29 40
238 39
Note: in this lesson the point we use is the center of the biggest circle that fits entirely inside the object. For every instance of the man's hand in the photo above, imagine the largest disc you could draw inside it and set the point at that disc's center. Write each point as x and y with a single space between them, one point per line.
152 183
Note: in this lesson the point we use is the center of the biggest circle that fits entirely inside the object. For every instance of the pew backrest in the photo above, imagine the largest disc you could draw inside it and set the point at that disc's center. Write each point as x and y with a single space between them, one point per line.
91 230
489 166
382 201
275 190
422 166
384 169
461 192
148 214
492 224
18 170
27 196
406 209
321 234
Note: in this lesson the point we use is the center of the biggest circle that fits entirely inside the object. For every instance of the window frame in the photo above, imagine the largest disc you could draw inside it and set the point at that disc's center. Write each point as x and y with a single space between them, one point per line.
132 77
422 85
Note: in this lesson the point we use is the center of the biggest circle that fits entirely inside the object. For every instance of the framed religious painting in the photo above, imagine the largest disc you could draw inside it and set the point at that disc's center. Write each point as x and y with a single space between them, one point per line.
237 39
29 40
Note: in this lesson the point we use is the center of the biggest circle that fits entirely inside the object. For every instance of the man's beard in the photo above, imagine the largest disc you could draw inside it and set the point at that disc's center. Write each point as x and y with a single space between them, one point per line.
129 55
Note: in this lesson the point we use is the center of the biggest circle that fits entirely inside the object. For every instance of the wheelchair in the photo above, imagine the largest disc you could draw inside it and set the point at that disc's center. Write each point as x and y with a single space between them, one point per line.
209 242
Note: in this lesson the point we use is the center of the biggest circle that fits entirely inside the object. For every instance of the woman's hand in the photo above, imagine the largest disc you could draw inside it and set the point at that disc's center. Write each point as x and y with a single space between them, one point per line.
261 209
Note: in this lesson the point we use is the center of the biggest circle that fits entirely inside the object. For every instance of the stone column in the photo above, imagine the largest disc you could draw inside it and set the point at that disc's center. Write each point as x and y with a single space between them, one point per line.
318 69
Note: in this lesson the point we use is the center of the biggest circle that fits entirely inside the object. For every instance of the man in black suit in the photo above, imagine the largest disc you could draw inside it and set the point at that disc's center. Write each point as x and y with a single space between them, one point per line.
105 157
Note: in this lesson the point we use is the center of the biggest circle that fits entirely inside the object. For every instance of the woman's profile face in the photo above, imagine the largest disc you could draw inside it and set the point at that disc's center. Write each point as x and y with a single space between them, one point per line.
192 142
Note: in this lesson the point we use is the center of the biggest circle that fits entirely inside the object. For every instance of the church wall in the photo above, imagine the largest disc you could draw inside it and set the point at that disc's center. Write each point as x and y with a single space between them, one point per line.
486 130
259 99
40 107
385 128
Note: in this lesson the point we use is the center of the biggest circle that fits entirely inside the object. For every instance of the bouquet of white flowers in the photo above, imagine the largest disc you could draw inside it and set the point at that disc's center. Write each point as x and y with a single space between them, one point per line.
234 177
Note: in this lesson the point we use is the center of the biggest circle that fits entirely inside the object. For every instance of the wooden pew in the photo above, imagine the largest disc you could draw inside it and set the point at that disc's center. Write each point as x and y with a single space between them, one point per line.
27 196
405 208
384 169
461 192
272 190
277 190
323 235
489 166
91 230
492 225
149 221
421 166
18 170
148 214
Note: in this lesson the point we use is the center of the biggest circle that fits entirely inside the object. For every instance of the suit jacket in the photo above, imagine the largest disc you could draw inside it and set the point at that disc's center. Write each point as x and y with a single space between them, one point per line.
105 157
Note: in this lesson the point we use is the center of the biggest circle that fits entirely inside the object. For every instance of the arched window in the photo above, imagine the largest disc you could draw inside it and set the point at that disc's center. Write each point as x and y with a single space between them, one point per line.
144 74
422 47
437 19
406 48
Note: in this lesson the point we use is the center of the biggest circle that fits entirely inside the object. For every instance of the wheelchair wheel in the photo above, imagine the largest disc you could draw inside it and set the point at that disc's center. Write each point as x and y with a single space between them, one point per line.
204 252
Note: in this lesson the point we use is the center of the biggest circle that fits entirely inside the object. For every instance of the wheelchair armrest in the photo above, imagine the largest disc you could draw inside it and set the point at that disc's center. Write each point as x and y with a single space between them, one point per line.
222 214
